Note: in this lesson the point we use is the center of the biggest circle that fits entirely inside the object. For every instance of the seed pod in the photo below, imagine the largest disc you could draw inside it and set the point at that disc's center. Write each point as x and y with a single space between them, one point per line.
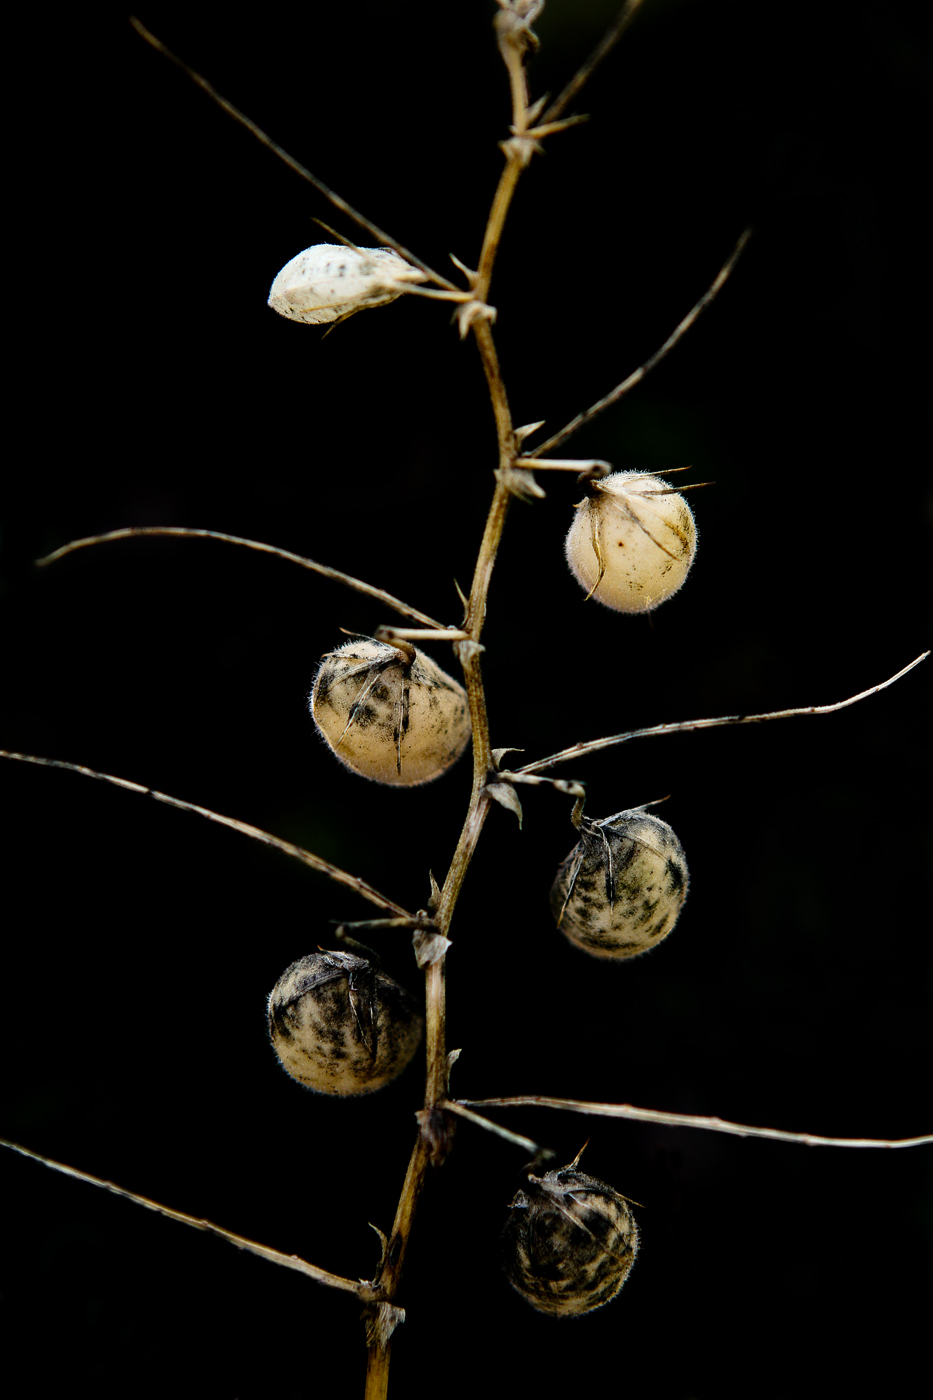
569 1242
340 1025
329 281
387 716
620 890
632 541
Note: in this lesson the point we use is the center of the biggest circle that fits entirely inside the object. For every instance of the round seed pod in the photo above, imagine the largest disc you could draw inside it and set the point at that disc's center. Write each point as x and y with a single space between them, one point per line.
388 717
340 1025
569 1242
620 890
632 541
329 281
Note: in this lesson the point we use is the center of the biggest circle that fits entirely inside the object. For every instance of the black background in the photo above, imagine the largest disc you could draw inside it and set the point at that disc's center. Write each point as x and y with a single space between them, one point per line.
153 386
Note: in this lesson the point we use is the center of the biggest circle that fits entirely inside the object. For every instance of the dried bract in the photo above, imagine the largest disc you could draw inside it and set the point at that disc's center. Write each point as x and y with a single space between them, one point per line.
620 890
330 281
569 1242
340 1025
632 541
387 715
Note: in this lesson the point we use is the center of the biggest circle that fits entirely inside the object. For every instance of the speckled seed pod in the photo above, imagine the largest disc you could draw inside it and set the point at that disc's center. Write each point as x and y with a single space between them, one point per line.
387 717
620 890
632 541
569 1243
329 281
340 1025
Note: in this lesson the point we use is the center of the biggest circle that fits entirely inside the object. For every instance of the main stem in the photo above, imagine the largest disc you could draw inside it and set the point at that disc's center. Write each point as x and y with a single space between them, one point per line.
436 1126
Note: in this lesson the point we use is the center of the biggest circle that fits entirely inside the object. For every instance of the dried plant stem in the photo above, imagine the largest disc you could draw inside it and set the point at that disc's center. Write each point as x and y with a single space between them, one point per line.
324 867
692 1120
500 208
433 1137
686 726
287 1261
138 531
377 1371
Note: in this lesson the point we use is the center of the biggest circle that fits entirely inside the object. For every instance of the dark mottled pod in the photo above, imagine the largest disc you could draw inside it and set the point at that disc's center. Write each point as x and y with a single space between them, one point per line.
340 1025
569 1242
620 890
389 715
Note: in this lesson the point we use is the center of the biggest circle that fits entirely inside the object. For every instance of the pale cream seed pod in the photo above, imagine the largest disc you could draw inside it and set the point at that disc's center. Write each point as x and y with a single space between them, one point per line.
330 282
622 887
569 1242
339 1025
390 715
632 541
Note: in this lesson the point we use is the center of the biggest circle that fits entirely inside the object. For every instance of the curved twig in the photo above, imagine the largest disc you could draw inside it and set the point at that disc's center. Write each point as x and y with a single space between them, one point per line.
299 169
692 1120
324 867
274 1256
608 42
677 334
131 532
684 726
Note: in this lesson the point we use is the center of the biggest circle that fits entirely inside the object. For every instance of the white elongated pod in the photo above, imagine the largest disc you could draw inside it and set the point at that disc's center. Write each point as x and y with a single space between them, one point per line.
340 1025
632 541
622 887
329 281
389 717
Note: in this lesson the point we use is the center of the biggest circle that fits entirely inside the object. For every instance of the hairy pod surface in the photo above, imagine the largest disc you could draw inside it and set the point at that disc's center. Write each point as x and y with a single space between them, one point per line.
329 281
569 1242
388 717
621 888
632 541
340 1025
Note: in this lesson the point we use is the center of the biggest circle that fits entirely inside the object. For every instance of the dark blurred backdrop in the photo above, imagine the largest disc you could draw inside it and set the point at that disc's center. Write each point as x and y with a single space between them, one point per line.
151 385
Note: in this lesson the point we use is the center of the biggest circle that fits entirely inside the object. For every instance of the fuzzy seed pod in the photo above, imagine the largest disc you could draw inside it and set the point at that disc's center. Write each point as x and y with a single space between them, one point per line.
632 541
569 1242
340 1025
388 717
329 282
620 890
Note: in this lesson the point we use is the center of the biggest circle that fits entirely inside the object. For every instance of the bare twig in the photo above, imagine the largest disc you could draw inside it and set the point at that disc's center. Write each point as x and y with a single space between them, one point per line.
516 1139
379 234
606 44
685 726
692 1120
324 867
679 331
138 531
274 1256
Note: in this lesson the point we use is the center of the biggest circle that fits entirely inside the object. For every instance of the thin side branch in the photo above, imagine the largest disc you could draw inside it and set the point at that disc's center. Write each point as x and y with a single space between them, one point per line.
516 1139
593 745
692 1120
639 374
324 867
267 141
132 532
274 1256
605 46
